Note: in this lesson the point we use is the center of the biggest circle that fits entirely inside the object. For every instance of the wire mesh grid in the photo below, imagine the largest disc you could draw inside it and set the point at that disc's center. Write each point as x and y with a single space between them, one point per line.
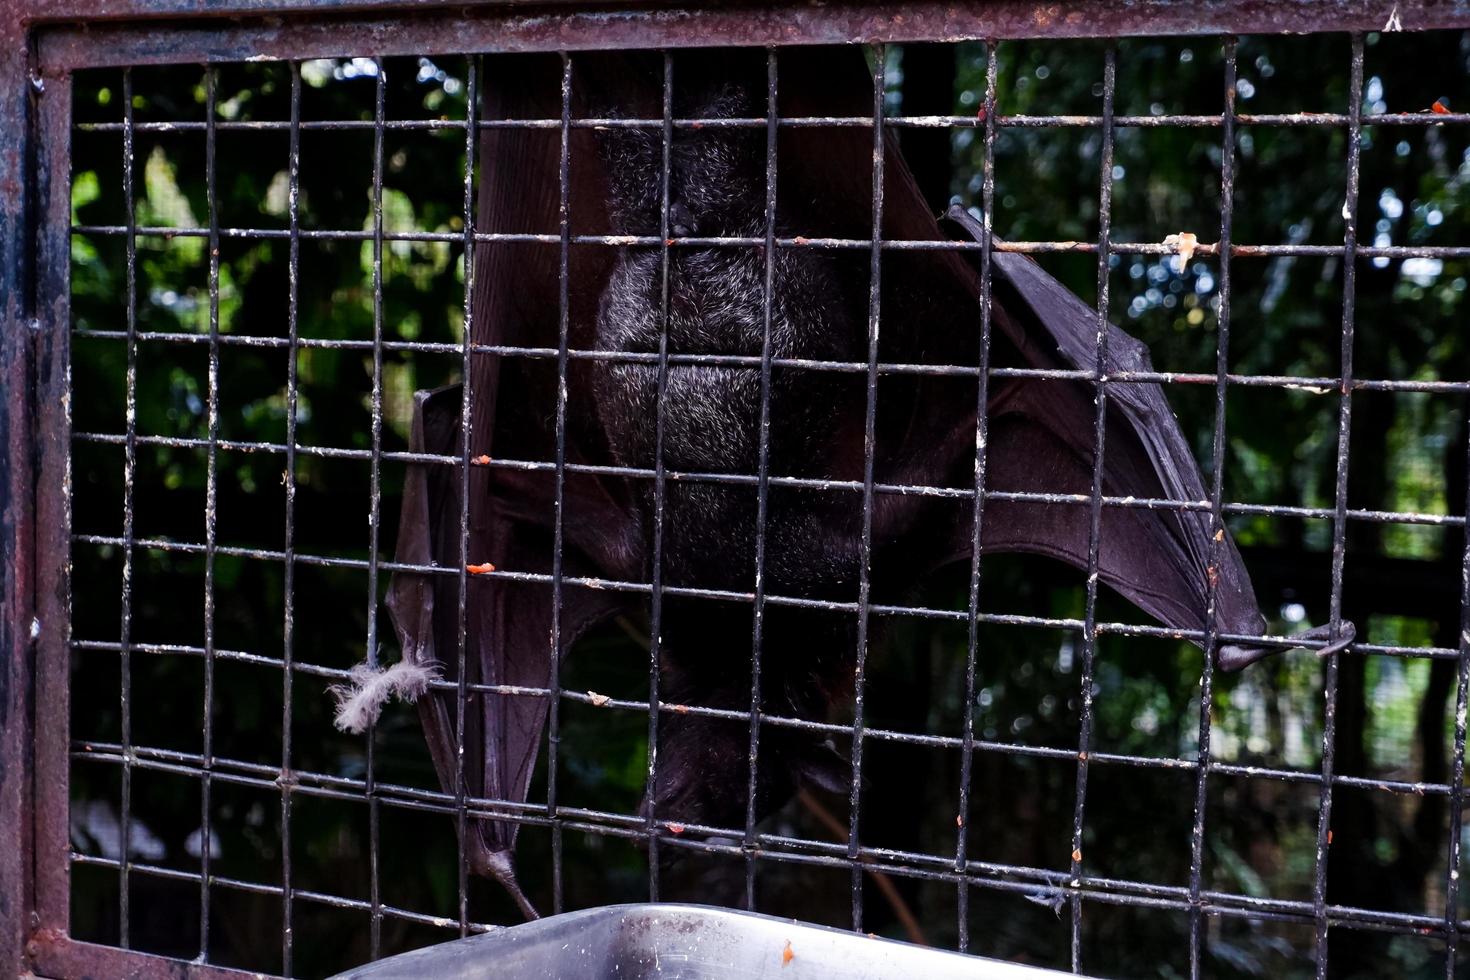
1074 888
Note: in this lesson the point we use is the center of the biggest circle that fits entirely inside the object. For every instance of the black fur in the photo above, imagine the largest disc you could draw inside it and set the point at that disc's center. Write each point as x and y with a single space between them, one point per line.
711 423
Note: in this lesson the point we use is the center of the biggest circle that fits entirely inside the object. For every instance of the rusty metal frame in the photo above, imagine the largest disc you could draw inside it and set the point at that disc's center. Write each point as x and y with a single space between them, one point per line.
43 41
72 35
17 519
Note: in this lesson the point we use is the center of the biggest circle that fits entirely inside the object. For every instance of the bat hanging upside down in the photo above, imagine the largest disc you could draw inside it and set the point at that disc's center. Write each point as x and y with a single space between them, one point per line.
709 420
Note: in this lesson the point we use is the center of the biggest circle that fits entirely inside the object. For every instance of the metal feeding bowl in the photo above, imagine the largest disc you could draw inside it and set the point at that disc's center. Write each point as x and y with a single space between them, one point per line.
682 941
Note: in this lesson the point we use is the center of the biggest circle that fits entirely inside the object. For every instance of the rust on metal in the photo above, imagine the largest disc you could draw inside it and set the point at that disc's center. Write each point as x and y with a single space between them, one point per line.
17 512
52 663
72 38
56 955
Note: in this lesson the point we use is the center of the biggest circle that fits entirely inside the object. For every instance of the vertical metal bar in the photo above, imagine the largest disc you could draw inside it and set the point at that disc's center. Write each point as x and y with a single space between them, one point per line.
211 494
130 468
656 576
19 502
762 491
461 693
982 434
1339 520
1217 536
49 314
374 504
288 629
564 323
1089 623
865 570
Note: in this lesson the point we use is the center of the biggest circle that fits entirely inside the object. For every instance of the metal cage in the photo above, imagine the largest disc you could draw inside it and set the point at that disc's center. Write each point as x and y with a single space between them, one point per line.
47 42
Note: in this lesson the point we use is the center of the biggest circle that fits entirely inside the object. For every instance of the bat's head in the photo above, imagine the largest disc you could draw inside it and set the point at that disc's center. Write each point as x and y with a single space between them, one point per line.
703 773
716 178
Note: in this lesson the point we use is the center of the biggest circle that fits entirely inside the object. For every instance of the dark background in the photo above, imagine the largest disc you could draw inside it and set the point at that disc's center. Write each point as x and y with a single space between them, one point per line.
1395 714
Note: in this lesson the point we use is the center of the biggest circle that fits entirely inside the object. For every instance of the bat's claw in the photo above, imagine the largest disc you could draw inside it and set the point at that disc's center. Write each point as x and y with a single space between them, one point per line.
498 865
1347 633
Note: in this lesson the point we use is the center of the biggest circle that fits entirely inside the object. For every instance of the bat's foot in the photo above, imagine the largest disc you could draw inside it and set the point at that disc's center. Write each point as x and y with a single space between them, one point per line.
1349 633
1232 657
498 865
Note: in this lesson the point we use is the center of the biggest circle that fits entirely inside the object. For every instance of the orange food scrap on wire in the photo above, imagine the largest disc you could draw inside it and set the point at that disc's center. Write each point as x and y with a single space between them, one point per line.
484 569
1439 108
786 954
481 460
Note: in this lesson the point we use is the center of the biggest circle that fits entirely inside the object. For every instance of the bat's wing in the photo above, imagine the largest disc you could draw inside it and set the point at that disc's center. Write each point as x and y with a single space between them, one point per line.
1041 431
1041 440
509 519
507 622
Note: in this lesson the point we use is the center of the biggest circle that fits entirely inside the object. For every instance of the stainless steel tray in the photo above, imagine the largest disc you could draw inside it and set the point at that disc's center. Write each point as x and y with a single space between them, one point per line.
682 941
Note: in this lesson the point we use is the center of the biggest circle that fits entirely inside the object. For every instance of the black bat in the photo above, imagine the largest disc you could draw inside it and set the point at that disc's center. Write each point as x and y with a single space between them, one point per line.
628 415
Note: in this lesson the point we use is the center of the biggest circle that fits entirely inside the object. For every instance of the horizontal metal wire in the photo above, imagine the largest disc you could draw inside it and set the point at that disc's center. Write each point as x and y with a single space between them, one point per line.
1292 382
985 874
1092 889
1152 121
1203 249
726 595
776 720
260 888
803 483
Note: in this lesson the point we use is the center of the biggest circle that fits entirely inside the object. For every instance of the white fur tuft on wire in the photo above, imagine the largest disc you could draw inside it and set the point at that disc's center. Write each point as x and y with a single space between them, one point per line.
360 700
